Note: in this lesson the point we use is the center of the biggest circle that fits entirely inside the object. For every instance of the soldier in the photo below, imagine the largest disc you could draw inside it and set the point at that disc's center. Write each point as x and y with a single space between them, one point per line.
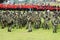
24 20
3 20
37 21
0 17
20 21
29 28
59 17
10 22
55 23
15 17
46 19
29 24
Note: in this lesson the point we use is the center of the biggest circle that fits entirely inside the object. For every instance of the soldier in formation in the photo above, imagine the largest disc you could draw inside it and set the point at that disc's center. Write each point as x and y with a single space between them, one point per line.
20 19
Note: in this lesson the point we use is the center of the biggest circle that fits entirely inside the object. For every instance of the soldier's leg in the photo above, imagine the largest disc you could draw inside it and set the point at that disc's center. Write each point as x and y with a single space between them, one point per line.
47 26
3 25
20 25
14 23
10 27
17 25
30 27
43 25
40 24
37 26
27 25
54 28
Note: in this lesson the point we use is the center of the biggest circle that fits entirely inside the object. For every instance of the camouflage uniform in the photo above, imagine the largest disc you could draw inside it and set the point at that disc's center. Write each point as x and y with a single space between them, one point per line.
46 20
55 22
10 23
4 20
37 23
29 25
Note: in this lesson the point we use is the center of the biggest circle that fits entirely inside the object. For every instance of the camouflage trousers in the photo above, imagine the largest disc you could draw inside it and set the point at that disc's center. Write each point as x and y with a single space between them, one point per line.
4 24
29 25
37 26
16 24
10 26
45 26
55 28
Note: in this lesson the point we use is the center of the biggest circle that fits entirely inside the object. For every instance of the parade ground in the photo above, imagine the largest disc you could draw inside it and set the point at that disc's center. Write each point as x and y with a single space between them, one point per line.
22 34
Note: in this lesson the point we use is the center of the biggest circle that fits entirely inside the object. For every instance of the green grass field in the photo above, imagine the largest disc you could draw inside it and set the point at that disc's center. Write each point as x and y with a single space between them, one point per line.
22 34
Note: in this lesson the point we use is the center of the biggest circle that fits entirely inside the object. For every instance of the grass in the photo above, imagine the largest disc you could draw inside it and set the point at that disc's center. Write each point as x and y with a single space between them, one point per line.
22 34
